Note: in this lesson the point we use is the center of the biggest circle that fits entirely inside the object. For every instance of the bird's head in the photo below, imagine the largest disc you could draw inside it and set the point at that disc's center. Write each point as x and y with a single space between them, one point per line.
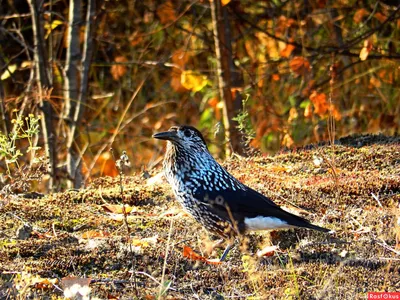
186 137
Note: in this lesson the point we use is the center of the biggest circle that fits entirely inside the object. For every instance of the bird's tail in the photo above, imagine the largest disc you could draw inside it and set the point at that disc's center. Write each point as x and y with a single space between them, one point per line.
298 221
315 227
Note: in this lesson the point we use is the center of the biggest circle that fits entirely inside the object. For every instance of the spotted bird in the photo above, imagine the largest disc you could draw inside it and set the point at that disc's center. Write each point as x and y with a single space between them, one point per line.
217 200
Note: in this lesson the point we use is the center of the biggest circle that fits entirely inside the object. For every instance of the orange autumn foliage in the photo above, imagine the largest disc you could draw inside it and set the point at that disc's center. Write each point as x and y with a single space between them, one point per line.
118 70
321 106
299 65
287 51
166 12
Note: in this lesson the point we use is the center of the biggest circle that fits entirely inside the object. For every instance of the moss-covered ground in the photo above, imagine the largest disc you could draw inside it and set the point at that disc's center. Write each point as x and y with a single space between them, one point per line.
352 188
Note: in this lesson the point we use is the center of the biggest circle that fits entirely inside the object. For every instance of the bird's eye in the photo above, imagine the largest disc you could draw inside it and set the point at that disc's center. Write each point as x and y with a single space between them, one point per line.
188 133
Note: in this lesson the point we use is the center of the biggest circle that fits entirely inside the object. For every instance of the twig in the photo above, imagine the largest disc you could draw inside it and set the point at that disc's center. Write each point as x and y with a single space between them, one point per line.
148 275
154 279
14 16
120 164
387 247
54 229
377 199
388 258
162 291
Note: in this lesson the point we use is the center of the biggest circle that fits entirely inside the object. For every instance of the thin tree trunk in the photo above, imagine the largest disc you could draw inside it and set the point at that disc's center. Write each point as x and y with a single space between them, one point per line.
6 124
224 58
71 80
44 85
71 90
77 75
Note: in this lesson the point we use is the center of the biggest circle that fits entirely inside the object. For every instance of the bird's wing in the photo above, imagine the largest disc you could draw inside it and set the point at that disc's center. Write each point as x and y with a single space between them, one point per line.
247 203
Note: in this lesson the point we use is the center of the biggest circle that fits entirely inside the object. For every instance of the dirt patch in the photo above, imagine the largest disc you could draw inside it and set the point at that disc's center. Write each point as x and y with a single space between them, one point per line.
352 188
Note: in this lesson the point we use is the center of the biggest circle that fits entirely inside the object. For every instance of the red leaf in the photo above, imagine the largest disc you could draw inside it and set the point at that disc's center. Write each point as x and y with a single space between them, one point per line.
189 253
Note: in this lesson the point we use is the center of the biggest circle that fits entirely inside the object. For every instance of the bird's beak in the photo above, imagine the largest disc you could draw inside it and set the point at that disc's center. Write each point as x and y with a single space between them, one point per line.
166 135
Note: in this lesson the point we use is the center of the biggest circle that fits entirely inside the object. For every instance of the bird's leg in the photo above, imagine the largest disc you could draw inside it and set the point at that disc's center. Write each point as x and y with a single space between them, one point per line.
226 251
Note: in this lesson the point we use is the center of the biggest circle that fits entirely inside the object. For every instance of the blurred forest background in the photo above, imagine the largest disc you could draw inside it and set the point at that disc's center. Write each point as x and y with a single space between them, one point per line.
81 77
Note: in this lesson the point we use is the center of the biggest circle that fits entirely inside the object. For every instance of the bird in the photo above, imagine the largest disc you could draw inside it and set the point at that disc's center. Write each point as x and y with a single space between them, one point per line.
217 200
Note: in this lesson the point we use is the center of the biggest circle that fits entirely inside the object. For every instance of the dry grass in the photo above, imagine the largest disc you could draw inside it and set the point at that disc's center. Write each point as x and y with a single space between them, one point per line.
358 197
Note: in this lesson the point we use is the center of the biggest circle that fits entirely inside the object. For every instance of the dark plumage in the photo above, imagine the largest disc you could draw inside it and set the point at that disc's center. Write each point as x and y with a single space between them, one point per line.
221 203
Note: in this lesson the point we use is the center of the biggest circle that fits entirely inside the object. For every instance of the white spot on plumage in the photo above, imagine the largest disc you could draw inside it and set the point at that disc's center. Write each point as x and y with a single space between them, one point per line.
264 223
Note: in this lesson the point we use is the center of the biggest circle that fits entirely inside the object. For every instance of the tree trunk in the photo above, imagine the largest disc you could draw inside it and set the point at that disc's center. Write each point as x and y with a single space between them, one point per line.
76 84
71 90
224 58
44 85
6 124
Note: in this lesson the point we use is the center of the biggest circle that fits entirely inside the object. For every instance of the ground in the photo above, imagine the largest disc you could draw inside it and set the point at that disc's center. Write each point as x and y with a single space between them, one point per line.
352 188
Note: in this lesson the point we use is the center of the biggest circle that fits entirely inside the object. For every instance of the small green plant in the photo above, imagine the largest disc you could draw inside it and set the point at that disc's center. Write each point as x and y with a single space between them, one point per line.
26 128
244 122
294 290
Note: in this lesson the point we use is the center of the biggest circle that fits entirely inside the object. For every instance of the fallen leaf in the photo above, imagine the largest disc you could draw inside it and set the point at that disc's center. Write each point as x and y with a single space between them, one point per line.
190 254
278 169
139 242
44 283
117 209
173 212
343 253
317 160
145 242
76 287
267 251
93 234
